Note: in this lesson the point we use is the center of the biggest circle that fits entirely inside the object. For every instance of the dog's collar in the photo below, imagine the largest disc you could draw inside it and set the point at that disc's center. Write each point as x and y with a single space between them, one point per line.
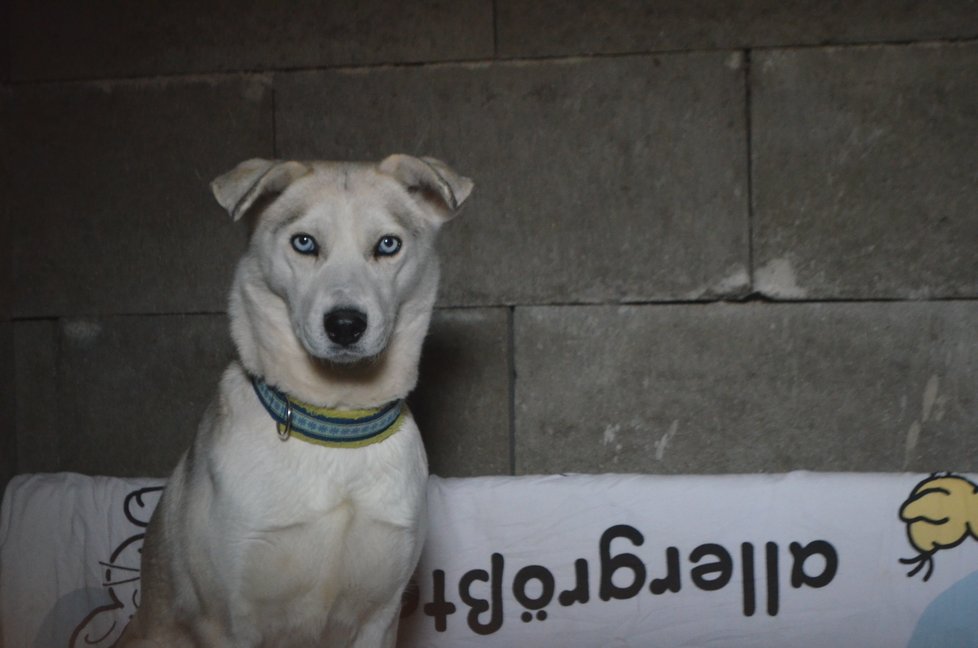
329 427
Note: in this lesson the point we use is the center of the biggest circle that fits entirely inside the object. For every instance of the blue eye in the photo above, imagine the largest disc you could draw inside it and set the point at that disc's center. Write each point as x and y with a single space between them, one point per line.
304 244
388 246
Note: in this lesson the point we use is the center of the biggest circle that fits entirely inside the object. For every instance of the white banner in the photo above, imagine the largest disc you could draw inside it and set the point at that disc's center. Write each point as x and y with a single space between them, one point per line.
803 559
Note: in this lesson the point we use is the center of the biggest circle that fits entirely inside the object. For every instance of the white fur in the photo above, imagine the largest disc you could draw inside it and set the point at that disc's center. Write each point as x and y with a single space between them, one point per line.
259 542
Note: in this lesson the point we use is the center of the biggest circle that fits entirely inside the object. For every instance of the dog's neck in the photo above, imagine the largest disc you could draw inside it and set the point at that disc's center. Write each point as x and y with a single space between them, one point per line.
280 359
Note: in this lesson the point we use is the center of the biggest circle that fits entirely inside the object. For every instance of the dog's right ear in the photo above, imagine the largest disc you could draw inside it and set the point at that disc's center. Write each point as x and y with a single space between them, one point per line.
238 189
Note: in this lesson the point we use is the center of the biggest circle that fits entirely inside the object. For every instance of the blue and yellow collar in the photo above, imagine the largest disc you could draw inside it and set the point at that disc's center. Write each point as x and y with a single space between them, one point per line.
329 427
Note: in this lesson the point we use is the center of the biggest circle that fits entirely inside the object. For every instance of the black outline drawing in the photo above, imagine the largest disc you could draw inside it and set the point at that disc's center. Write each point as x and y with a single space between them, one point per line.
130 573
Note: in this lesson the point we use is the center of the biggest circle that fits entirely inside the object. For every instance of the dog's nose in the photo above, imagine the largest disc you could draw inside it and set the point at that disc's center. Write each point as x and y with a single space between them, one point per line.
345 325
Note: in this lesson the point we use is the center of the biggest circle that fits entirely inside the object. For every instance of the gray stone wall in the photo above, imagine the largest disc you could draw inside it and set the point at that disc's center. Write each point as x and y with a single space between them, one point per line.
706 236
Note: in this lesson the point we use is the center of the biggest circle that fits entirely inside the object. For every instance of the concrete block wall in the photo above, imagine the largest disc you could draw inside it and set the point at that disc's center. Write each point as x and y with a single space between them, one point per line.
706 237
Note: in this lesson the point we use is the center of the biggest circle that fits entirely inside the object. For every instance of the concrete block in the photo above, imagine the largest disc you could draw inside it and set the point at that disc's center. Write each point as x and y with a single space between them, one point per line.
109 197
6 283
38 422
462 401
561 27
8 436
8 430
747 388
5 42
102 39
128 392
864 183
596 180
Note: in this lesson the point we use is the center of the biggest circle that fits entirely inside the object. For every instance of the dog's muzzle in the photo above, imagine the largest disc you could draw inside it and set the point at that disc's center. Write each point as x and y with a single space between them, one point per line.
344 326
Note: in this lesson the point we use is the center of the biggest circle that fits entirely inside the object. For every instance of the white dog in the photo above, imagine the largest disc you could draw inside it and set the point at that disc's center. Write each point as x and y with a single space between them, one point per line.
297 516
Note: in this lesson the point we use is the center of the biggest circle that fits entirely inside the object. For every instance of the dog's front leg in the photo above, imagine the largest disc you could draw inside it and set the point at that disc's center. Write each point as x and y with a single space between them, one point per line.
381 630
214 635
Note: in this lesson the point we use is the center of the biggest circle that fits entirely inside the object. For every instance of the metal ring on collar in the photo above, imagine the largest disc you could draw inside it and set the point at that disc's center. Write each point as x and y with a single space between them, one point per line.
286 431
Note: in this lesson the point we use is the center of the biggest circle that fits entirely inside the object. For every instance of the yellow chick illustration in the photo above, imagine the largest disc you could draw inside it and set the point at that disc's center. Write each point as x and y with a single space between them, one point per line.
941 513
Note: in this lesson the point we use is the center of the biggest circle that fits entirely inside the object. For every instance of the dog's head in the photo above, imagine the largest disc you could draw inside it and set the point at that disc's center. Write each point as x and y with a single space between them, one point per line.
347 248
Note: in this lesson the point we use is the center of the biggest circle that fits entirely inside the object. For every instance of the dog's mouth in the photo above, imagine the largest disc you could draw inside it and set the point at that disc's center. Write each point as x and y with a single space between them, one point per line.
343 337
328 353
348 357
350 338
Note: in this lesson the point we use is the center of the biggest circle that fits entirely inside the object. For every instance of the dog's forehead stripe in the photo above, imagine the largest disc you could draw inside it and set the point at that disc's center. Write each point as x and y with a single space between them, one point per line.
393 207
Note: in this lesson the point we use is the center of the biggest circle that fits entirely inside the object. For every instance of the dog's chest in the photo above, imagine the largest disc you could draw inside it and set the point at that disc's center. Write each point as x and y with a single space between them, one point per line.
324 538
343 562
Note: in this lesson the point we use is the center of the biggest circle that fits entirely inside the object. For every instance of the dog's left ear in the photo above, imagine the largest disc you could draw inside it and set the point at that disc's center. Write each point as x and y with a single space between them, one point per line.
432 180
239 189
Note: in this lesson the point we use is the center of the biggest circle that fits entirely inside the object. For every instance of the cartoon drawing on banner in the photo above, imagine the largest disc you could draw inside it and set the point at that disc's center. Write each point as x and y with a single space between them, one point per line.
941 513
103 625
951 620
